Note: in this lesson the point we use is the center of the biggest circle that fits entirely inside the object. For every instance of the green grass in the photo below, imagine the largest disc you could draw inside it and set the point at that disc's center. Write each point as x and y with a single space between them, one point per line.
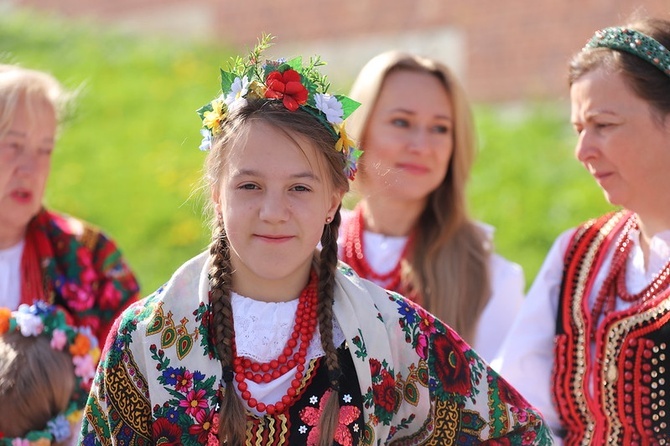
129 160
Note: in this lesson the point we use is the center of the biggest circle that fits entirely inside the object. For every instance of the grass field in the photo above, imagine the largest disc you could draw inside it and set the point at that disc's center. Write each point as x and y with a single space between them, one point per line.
129 162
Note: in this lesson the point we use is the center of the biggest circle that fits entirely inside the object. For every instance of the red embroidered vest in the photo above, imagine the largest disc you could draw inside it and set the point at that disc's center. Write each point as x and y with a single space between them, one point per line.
612 391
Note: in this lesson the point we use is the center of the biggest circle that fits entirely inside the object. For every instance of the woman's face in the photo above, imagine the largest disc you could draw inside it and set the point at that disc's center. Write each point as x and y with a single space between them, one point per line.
25 161
409 138
620 142
274 197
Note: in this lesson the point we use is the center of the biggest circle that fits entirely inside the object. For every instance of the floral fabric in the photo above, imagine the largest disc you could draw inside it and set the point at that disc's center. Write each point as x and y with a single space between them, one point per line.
416 382
69 263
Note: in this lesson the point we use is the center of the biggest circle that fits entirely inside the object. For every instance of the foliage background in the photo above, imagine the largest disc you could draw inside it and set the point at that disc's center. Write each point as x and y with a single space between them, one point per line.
128 160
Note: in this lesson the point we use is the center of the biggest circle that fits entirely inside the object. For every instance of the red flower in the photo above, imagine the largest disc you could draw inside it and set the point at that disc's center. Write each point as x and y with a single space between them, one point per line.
204 421
385 394
286 86
510 395
195 402
497 442
452 368
165 433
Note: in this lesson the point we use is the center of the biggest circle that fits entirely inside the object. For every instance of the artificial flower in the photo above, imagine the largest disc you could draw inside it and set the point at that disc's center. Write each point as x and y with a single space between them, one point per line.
60 428
29 324
214 118
81 345
344 143
206 142
5 316
329 106
236 98
84 367
58 339
288 87
256 90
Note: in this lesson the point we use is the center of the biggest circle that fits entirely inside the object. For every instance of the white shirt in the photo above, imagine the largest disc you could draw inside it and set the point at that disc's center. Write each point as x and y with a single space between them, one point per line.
527 355
10 276
507 287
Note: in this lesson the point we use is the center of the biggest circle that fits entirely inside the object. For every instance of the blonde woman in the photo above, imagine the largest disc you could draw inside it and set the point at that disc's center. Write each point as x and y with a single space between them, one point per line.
411 231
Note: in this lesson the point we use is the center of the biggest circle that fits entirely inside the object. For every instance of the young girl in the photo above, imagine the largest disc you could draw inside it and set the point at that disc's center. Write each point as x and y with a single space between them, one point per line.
263 340
411 232
46 367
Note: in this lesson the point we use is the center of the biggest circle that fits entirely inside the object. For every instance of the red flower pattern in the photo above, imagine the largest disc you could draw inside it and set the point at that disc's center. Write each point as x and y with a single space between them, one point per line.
165 433
288 87
452 368
311 416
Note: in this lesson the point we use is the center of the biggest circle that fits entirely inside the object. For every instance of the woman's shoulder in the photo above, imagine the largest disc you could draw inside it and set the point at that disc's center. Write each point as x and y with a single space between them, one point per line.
180 296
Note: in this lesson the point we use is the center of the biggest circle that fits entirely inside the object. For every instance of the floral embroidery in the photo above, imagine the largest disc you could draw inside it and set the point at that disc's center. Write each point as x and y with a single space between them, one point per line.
312 415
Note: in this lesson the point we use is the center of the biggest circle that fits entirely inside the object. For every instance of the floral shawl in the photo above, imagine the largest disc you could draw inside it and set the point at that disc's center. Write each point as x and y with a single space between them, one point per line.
419 382
70 263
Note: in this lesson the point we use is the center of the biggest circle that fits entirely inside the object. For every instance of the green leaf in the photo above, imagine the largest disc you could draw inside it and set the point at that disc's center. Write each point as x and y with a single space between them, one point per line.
227 80
205 108
348 105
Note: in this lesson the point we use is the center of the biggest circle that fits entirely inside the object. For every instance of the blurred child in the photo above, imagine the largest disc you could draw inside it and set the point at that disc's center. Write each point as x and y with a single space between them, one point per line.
46 368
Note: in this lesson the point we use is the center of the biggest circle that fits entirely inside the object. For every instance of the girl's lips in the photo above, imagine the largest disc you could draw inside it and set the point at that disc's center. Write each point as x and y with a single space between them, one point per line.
21 196
274 238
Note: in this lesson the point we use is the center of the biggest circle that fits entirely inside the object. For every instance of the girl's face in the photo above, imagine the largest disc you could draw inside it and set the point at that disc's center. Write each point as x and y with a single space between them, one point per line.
274 197
408 141
621 143
25 162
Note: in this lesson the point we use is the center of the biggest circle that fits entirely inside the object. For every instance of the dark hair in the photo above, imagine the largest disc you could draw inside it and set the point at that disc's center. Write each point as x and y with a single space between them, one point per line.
646 80
232 421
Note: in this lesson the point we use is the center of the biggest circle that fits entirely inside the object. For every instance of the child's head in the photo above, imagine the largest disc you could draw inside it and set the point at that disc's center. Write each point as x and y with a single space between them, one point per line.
278 166
45 368
36 378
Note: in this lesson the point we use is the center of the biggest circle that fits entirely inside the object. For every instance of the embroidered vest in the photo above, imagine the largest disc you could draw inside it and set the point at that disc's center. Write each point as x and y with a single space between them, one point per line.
611 391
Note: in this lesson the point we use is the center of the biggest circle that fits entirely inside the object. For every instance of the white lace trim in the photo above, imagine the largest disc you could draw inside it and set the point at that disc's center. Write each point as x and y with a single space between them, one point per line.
262 329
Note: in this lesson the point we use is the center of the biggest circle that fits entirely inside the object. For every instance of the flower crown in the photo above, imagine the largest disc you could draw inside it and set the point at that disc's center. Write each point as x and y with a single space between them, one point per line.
633 42
297 86
44 319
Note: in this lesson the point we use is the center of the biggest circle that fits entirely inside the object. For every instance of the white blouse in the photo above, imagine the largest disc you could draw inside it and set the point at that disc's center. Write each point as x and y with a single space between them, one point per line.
10 276
507 287
527 355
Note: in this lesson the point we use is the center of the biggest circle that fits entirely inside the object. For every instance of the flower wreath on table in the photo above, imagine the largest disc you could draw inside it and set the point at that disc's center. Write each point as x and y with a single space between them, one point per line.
42 319
297 86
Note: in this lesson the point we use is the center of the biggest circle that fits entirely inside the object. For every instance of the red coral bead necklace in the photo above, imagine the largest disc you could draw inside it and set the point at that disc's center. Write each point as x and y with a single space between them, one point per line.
354 254
293 356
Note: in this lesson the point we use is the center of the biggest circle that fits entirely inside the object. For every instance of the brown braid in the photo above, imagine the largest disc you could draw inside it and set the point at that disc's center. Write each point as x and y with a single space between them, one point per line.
232 418
327 269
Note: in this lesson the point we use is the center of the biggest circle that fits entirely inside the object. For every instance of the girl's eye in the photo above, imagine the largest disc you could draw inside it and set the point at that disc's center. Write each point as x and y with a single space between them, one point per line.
301 188
248 186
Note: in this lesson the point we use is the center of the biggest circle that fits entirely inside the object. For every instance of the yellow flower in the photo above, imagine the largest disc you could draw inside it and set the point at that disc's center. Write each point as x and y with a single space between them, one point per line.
41 442
213 119
256 90
5 316
344 143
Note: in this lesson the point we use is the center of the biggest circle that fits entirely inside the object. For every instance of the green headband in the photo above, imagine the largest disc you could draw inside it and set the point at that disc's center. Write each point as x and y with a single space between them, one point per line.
633 42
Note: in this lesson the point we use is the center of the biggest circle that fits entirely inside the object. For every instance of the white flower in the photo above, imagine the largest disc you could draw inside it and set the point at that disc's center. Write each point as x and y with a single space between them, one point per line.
30 324
302 429
330 107
235 98
313 399
206 142
346 398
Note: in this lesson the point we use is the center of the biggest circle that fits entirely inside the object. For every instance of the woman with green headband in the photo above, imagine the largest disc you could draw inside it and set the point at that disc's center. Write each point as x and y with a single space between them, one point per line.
263 339
590 347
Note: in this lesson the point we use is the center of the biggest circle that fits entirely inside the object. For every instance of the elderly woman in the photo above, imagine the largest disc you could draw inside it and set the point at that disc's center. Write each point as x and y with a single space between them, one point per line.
45 255
589 347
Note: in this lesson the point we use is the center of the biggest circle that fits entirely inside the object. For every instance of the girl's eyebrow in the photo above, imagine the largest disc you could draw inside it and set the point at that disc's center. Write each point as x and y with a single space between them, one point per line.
299 175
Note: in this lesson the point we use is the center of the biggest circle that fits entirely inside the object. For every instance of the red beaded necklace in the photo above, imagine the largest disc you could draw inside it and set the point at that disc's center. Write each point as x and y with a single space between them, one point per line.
615 283
354 254
303 332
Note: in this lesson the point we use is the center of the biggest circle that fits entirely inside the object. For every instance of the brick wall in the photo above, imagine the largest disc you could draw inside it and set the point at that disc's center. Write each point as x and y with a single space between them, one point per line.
503 50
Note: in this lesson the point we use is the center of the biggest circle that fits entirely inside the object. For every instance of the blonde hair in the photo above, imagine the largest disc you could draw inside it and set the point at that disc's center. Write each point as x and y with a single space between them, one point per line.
448 266
36 88
38 381
232 420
